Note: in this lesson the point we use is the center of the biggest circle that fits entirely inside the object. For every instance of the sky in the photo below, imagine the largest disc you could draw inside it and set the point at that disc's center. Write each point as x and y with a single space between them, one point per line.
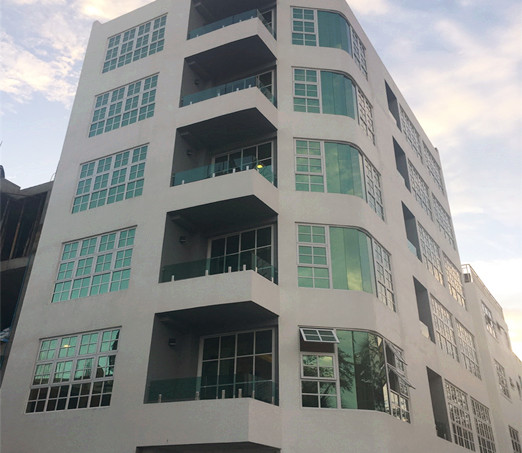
458 63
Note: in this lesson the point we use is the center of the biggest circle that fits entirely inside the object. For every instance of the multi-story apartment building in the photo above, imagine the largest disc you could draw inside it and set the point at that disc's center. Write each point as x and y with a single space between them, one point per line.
249 248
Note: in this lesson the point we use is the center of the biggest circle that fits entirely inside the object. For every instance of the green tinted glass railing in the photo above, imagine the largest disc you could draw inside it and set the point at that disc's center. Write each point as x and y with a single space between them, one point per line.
207 388
219 169
226 88
219 265
230 21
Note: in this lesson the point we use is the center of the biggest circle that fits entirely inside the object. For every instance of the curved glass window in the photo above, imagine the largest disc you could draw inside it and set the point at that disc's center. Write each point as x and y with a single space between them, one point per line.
362 371
344 258
334 31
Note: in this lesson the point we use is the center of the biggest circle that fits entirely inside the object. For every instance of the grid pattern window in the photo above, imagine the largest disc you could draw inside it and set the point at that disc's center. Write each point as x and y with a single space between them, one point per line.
502 379
431 254
309 166
136 43
74 372
486 439
124 106
488 319
468 351
365 114
95 265
304 27
110 179
454 281
411 133
460 417
359 52
443 326
313 268
237 362
383 275
433 168
316 173
444 222
318 381
515 440
372 179
420 189
306 91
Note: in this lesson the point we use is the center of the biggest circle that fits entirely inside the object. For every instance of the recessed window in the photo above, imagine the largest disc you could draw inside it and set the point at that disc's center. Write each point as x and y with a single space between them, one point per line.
502 379
515 440
488 319
430 254
124 106
74 372
409 130
460 416
433 168
468 351
444 221
135 43
419 189
486 439
319 335
95 265
110 179
443 327
454 281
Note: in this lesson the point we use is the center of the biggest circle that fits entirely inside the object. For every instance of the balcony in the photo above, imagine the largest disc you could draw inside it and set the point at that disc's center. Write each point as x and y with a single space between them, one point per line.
220 169
220 265
204 388
236 18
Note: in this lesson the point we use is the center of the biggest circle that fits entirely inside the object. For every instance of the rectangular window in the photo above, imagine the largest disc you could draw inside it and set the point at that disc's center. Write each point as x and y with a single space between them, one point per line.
433 168
412 136
486 439
340 168
238 364
460 416
430 254
319 335
365 111
110 179
454 281
124 106
318 381
304 26
95 265
467 350
515 440
251 249
256 156
135 43
306 91
502 379
420 189
488 319
74 372
359 52
443 326
344 258
444 222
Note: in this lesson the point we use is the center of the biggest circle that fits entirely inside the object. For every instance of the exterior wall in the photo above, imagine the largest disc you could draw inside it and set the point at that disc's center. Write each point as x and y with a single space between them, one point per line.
239 423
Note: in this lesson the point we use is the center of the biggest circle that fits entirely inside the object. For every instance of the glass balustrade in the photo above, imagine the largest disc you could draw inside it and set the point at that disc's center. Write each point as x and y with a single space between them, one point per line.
220 265
219 169
226 88
230 21
207 388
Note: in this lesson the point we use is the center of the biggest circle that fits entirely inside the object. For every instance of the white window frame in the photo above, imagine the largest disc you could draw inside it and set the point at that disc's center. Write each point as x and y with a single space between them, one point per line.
304 33
318 333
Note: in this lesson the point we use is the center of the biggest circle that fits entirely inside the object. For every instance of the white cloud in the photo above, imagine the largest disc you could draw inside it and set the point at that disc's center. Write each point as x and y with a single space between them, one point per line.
370 7
103 10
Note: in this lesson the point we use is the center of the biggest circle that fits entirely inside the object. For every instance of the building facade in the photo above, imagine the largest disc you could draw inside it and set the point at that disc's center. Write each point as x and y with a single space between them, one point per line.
249 248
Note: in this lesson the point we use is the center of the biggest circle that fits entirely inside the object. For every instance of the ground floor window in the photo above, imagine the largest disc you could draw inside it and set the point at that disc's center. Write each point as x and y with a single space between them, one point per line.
74 371
353 370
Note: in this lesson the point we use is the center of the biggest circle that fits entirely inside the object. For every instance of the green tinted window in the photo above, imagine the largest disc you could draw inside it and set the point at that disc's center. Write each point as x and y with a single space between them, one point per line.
338 94
344 172
334 31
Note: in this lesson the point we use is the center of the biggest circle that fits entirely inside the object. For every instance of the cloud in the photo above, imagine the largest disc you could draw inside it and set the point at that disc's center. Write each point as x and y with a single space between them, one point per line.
25 74
370 7
103 10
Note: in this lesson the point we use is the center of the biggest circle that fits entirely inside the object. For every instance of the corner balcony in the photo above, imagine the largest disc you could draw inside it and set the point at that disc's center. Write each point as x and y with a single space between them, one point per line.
234 19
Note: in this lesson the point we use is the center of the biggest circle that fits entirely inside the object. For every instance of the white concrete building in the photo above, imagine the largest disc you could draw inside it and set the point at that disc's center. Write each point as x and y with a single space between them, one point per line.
248 248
